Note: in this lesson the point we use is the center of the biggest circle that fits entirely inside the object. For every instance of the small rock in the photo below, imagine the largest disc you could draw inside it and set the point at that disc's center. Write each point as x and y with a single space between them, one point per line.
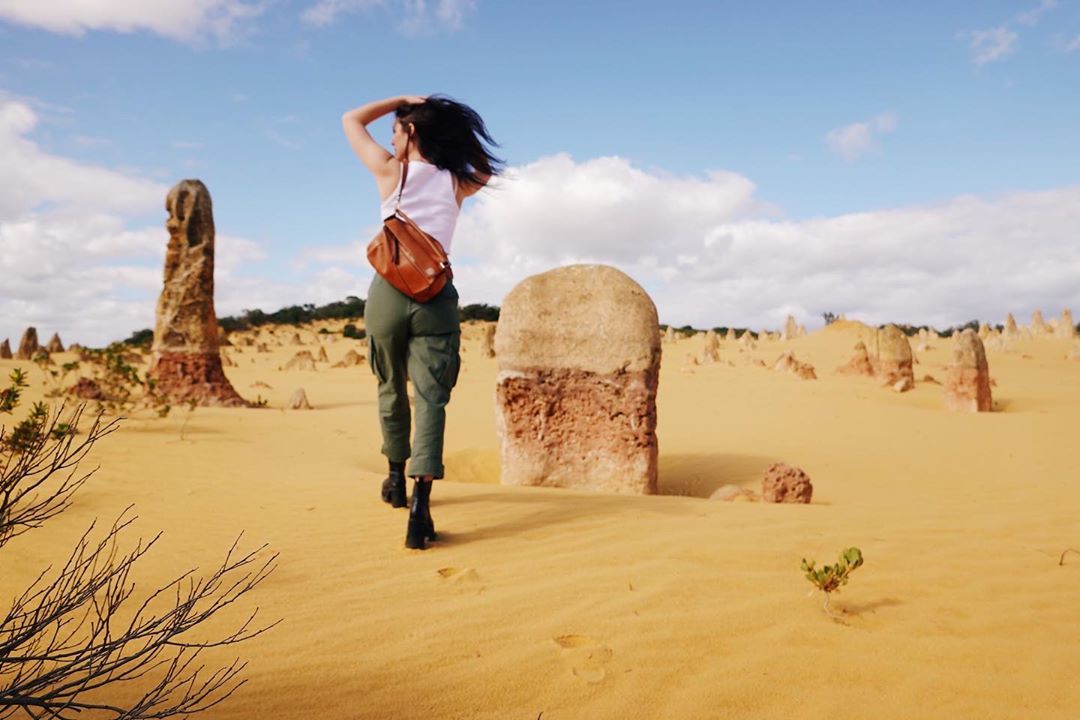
86 389
351 358
731 493
299 401
786 484
302 360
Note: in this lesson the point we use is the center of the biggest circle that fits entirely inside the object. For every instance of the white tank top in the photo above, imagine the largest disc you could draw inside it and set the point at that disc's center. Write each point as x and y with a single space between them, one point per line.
429 199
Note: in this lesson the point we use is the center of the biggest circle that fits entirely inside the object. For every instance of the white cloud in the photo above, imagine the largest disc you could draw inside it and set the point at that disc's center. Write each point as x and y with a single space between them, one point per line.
31 177
421 18
990 45
413 16
325 12
1072 45
186 20
68 262
1033 16
857 139
709 258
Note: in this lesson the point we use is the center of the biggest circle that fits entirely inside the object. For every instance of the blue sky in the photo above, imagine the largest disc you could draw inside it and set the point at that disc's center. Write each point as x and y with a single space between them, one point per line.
785 117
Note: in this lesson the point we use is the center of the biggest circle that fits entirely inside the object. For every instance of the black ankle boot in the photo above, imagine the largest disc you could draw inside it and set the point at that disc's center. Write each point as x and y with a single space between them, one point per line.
393 487
420 529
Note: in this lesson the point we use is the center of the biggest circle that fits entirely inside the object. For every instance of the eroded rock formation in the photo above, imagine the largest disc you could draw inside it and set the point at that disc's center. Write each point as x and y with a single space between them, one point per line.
859 364
967 379
299 400
578 352
350 359
791 329
712 347
303 360
1066 329
790 364
1038 325
1012 331
894 364
5 350
186 363
28 345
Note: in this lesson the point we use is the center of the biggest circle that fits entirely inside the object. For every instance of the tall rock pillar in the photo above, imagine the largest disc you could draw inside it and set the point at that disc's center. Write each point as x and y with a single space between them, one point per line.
186 361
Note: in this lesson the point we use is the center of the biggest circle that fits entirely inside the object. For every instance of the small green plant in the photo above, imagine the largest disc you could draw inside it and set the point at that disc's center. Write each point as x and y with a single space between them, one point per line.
54 377
350 331
830 578
9 396
122 389
24 436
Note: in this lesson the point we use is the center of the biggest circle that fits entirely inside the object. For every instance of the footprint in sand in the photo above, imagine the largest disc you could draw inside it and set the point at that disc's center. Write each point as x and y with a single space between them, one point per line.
586 657
463 578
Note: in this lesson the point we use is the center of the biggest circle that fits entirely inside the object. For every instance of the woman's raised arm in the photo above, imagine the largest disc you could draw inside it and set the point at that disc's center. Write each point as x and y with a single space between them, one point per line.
355 122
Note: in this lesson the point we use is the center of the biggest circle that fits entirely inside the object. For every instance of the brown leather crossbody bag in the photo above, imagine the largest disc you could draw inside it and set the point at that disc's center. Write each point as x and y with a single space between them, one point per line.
407 257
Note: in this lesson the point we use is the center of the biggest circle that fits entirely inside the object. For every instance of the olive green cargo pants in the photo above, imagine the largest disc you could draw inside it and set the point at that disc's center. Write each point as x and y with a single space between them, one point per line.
419 342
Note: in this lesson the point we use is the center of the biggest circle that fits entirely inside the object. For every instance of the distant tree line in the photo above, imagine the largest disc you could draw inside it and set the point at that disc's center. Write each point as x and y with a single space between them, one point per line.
721 330
912 330
350 308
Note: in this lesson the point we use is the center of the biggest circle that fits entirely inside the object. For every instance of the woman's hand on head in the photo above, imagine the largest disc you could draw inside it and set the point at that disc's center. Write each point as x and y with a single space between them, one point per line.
414 99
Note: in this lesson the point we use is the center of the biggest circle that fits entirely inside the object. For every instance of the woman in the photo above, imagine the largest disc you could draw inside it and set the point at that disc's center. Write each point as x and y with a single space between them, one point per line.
440 156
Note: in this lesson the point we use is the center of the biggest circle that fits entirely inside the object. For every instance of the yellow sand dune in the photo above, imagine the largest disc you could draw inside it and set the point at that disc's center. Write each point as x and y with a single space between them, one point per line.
580 605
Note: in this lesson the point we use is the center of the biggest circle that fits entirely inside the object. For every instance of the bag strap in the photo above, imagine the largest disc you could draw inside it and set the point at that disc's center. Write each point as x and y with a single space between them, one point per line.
401 188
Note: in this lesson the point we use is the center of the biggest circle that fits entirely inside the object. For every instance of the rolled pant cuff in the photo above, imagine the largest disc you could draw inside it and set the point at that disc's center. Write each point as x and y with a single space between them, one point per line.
421 468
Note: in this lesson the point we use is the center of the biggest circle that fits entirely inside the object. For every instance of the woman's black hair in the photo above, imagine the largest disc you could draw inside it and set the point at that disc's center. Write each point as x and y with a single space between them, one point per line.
450 135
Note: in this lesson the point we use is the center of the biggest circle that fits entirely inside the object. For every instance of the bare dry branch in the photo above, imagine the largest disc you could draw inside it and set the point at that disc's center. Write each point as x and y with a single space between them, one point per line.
64 649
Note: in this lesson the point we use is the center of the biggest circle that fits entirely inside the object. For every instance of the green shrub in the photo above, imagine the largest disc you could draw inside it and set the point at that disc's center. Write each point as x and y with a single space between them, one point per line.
479 311
830 578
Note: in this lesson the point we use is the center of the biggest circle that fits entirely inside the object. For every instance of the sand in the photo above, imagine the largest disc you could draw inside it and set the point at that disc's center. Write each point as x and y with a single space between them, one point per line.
578 605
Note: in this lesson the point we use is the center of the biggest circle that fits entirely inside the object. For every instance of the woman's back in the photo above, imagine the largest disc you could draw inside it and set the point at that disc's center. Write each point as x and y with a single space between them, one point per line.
408 339
429 199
